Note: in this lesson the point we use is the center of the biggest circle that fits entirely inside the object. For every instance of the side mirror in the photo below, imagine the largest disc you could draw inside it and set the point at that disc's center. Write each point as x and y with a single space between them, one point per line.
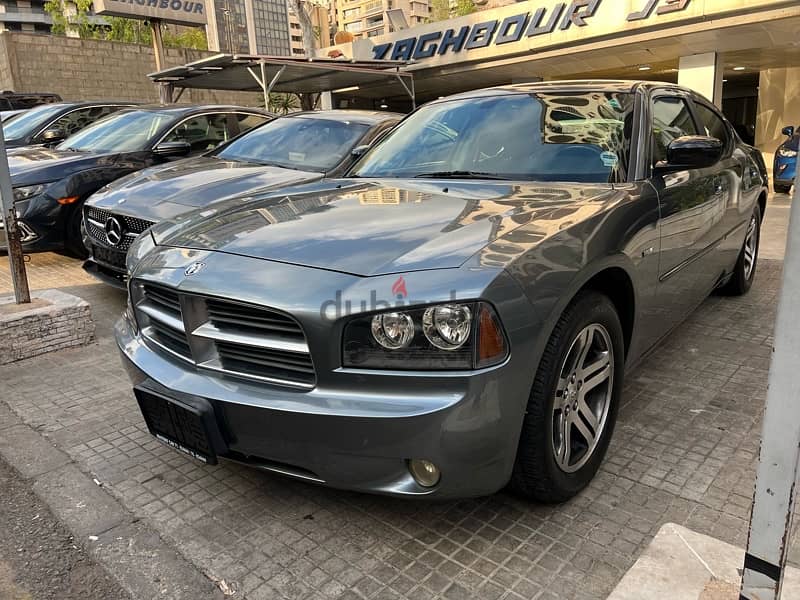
167 149
788 131
53 136
359 151
692 152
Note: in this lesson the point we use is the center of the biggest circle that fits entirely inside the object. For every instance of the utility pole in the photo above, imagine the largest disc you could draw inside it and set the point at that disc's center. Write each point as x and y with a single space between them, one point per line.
164 89
13 240
776 493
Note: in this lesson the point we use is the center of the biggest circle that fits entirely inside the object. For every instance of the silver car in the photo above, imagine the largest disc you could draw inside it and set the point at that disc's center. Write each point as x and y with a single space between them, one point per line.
459 311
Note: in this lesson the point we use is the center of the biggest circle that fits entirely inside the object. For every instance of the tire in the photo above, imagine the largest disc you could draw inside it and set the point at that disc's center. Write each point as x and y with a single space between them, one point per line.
744 272
73 239
781 189
540 472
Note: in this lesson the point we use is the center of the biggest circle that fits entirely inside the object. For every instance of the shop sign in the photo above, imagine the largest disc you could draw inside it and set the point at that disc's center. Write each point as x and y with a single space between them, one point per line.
541 21
182 12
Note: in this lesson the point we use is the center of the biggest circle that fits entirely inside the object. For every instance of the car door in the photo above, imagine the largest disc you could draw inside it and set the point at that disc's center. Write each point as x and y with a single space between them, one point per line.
734 192
691 211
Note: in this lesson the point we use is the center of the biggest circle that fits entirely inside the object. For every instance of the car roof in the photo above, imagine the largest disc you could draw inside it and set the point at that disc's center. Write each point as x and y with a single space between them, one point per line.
367 117
188 109
578 85
82 103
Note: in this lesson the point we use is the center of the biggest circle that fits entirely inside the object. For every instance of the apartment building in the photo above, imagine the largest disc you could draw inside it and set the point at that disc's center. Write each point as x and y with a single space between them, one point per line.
320 21
24 15
367 18
249 27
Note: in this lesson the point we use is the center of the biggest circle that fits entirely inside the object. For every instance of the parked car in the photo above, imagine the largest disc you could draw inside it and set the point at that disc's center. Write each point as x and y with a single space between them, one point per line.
50 124
51 185
785 165
300 147
22 100
5 115
458 312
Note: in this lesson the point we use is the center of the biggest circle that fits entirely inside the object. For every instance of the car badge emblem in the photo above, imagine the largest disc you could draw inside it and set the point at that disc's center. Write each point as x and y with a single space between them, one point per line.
194 268
113 229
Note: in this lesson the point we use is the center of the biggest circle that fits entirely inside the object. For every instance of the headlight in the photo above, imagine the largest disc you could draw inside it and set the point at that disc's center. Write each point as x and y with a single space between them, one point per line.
28 191
786 153
452 336
141 246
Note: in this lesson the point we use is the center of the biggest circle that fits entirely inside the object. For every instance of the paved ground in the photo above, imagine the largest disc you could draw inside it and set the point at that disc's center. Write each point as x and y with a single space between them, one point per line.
683 452
39 559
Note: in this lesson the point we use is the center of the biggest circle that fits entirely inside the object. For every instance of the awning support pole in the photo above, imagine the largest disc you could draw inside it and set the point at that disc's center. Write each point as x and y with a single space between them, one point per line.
410 91
267 89
775 490
180 93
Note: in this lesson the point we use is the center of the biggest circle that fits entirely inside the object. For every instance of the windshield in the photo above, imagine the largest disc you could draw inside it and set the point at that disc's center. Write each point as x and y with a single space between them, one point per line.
129 131
570 137
305 143
30 121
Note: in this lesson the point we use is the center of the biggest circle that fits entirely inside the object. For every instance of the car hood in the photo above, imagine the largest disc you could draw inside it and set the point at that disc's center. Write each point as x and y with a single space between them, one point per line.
31 165
371 228
165 191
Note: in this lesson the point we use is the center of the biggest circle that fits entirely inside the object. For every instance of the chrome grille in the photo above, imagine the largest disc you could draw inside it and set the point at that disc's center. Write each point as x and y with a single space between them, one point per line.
231 338
96 227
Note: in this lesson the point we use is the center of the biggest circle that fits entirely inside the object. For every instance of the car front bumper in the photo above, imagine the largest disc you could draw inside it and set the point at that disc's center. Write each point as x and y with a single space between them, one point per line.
357 436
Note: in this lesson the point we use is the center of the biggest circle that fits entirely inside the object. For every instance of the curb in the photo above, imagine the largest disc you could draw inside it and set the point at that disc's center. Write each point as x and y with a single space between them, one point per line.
131 552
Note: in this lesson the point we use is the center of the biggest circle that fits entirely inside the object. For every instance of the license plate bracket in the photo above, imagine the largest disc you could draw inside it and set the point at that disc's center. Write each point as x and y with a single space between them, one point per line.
185 427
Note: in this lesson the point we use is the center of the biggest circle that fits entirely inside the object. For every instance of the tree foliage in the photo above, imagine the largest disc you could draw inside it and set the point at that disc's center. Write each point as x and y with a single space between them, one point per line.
445 9
75 16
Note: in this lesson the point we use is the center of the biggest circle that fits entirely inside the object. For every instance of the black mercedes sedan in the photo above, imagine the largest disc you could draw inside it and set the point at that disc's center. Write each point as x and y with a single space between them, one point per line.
51 185
459 312
297 148
50 124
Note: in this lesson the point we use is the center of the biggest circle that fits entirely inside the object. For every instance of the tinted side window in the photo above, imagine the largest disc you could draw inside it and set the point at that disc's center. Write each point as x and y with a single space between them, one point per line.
242 122
671 119
76 120
712 124
203 132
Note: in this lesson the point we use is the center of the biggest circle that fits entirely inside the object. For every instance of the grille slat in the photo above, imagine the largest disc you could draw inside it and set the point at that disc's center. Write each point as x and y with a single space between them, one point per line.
247 341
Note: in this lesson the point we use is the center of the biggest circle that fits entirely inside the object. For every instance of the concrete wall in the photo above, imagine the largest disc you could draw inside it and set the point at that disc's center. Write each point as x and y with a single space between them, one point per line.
778 106
80 69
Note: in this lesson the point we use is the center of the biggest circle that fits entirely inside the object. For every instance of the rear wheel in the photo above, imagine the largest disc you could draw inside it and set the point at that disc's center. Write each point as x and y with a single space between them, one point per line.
573 404
745 269
73 238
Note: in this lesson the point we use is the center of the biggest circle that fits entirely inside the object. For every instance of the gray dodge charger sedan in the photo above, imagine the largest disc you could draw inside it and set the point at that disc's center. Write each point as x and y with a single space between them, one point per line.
458 312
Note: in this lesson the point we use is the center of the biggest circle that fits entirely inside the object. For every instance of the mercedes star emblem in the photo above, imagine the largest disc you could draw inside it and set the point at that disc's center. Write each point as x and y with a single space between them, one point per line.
193 268
113 231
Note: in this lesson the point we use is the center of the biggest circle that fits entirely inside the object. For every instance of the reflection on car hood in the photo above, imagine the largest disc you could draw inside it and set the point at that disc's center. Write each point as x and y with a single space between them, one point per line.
371 228
31 165
165 191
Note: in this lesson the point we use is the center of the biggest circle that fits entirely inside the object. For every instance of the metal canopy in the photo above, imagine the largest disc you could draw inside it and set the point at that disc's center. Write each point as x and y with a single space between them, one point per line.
251 73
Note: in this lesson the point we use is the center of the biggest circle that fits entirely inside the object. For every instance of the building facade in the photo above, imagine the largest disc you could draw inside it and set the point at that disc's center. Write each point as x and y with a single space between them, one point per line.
24 15
249 27
370 18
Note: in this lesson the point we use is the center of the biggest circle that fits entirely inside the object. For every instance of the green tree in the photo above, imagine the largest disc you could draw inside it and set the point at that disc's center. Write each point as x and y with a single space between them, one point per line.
283 103
463 7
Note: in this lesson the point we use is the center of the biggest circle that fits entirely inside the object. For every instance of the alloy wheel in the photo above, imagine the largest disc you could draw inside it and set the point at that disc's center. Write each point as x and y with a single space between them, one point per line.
750 247
583 398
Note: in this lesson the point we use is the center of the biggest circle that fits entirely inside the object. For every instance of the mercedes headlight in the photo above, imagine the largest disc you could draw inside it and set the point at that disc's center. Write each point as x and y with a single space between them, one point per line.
787 153
451 336
140 247
28 191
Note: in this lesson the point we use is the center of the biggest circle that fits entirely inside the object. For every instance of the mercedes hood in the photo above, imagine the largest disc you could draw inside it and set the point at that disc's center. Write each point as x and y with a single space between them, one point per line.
166 191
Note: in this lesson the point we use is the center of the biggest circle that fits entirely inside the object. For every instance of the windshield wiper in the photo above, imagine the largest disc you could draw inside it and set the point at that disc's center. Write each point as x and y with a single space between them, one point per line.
461 175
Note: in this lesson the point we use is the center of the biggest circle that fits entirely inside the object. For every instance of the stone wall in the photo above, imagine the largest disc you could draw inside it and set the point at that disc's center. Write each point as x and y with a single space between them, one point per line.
80 69
52 321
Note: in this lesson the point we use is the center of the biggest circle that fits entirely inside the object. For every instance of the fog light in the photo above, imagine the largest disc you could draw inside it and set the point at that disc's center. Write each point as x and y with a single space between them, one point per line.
424 472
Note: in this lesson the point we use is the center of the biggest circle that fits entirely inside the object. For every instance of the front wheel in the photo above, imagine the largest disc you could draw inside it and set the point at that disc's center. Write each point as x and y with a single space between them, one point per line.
573 404
745 269
782 189
73 237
